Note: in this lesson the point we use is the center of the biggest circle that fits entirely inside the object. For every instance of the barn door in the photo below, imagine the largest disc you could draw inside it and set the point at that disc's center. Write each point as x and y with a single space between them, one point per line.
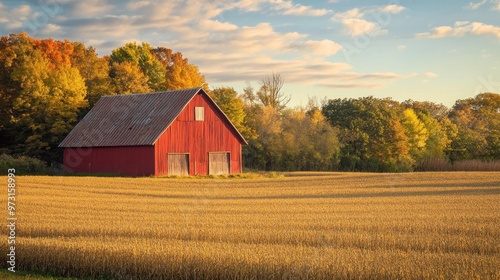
218 163
178 164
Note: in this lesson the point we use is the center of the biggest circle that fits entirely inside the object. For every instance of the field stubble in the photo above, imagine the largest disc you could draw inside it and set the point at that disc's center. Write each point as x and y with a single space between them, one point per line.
305 225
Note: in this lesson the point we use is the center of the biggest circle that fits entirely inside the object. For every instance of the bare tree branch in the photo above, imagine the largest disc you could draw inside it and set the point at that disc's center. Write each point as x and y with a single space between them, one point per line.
270 93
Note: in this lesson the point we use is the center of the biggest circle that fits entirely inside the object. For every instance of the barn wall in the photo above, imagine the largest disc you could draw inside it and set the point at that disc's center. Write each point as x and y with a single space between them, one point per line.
198 138
130 161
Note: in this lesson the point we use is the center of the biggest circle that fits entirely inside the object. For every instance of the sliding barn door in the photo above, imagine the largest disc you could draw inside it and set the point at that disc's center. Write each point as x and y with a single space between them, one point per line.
178 164
218 163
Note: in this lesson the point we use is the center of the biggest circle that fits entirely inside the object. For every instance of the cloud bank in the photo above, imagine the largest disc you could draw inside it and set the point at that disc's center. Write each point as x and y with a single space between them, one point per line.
224 51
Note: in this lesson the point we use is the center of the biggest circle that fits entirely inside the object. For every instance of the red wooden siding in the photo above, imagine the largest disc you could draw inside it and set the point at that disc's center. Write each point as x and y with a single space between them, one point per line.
131 161
133 135
198 138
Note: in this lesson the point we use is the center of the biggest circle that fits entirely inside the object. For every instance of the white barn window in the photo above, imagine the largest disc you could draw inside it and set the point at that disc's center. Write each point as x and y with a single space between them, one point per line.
199 113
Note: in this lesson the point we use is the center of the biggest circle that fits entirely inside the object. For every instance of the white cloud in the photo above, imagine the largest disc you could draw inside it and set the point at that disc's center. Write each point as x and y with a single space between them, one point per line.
460 29
352 13
37 19
288 8
495 5
214 25
138 5
224 51
356 26
355 22
15 25
430 75
385 76
283 7
351 84
401 47
475 6
445 31
327 67
393 9
360 80
305 11
21 11
461 23
3 14
322 48
248 5
51 28
479 28
15 18
82 9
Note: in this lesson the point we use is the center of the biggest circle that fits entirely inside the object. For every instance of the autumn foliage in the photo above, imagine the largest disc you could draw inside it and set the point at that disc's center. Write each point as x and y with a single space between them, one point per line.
47 86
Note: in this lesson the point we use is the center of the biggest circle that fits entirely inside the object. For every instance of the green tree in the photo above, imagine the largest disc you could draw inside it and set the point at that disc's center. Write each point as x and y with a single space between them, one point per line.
147 62
307 141
293 139
371 134
9 89
478 123
266 124
227 99
324 138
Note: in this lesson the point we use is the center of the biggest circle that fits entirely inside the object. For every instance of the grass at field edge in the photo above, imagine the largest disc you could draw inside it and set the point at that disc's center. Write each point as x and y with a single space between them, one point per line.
35 275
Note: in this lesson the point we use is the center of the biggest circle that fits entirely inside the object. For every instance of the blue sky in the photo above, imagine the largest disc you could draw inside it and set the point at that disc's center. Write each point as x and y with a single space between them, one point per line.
437 51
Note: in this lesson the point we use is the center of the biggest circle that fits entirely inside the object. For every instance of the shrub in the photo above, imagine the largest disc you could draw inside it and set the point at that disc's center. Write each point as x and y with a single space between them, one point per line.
434 164
476 165
441 164
23 165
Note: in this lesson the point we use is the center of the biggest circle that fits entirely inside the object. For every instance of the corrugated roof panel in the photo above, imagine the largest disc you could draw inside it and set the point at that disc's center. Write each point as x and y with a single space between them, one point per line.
129 120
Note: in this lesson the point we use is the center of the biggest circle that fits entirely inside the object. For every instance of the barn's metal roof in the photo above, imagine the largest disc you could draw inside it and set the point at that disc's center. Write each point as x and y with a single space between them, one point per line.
130 120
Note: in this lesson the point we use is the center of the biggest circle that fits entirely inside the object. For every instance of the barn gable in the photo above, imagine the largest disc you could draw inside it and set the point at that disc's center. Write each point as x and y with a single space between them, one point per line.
132 119
136 134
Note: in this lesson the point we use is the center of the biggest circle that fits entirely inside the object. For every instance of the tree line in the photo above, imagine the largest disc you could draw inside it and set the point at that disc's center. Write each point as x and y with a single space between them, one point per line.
364 134
47 86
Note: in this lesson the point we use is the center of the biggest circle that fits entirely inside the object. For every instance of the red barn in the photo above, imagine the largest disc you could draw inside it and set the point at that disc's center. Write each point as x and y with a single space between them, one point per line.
180 132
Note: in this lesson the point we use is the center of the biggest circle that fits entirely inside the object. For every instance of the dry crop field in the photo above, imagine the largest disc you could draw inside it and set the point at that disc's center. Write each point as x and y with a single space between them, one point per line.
300 226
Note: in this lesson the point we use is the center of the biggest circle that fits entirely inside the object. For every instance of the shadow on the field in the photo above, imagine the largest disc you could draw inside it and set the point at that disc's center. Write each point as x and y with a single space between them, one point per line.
394 192
403 184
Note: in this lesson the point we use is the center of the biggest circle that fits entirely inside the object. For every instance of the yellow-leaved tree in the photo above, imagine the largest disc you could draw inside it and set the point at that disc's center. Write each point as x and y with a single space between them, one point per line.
127 77
180 73
416 132
43 99
94 70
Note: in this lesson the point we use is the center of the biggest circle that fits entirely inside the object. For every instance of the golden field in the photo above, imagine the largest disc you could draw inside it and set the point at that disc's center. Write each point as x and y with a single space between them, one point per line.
300 226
